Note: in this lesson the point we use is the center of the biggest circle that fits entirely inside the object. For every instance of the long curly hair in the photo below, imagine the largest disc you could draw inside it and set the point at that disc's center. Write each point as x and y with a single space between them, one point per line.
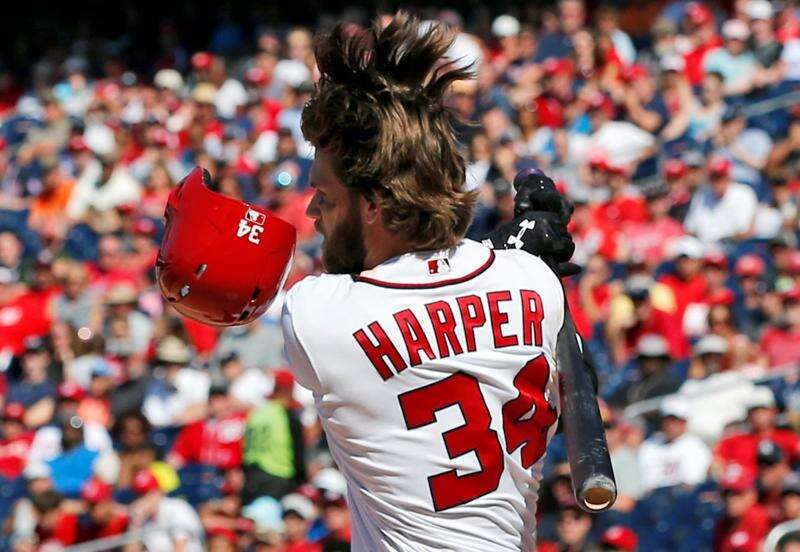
378 107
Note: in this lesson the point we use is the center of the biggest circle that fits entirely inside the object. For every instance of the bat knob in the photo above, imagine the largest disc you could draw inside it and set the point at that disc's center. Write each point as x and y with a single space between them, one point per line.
598 493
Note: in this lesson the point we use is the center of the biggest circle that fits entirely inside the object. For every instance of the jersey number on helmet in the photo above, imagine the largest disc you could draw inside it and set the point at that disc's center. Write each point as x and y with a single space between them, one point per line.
526 420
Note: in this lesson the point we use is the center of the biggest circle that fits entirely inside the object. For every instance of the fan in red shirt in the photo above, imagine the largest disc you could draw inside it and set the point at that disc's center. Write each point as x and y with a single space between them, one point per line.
649 239
23 314
703 35
741 448
108 517
780 343
55 523
16 441
746 522
688 283
216 441
622 207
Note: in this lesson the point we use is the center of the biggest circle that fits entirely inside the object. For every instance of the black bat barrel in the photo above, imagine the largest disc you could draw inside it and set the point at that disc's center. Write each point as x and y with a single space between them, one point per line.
587 451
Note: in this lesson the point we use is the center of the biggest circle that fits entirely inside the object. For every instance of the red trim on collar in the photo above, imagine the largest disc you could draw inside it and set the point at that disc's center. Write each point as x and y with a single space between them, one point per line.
429 285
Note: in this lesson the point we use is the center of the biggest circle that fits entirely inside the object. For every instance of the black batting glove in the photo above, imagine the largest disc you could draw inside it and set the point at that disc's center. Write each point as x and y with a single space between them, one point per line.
540 223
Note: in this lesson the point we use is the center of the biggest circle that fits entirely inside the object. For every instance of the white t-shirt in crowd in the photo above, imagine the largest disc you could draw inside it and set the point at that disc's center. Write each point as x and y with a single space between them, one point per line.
712 219
684 461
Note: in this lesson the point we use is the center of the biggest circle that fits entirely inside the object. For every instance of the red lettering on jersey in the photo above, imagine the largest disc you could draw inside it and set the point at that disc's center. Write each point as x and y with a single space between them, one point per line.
472 315
377 351
444 328
498 319
532 315
521 429
413 335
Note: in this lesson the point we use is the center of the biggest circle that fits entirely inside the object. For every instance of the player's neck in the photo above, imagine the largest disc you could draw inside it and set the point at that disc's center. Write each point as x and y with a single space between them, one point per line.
383 246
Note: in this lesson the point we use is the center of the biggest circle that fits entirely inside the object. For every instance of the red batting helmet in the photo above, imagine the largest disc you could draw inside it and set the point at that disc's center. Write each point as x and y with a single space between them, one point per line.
221 261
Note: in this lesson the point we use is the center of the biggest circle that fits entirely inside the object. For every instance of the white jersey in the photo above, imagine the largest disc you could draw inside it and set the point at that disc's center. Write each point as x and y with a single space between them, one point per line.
434 378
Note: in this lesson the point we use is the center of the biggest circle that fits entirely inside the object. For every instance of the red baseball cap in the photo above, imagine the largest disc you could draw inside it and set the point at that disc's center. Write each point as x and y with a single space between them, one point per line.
719 165
737 478
144 482
144 226
716 258
284 379
793 294
14 411
228 534
749 266
621 538
202 60
558 66
794 262
96 491
634 72
256 75
698 13
675 168
70 391
721 297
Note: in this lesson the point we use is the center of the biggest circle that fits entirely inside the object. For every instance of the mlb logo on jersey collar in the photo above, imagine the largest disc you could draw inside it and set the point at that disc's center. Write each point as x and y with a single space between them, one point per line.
438 266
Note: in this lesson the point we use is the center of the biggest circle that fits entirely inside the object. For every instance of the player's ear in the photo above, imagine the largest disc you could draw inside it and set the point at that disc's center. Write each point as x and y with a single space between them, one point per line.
370 210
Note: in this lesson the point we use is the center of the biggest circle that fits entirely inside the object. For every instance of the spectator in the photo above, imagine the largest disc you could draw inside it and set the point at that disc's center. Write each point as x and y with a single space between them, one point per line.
215 440
650 376
107 517
573 531
298 513
619 538
733 61
273 445
178 394
779 342
673 457
741 447
250 387
15 443
746 523
724 209
35 390
176 524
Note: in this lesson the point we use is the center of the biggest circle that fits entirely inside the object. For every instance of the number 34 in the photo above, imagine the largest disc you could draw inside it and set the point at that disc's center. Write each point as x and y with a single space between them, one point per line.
448 489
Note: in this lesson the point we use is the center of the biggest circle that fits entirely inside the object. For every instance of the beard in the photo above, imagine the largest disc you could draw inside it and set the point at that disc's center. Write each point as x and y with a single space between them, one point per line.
343 251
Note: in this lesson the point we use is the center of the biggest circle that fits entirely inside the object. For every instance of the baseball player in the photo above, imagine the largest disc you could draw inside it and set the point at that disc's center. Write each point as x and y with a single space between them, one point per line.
430 356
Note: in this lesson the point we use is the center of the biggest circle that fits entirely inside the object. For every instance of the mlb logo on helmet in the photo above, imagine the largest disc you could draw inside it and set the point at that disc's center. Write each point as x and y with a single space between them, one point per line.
255 217
251 226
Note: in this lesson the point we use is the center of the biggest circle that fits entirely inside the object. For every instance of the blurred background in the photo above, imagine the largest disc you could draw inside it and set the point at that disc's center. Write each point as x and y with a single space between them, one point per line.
673 126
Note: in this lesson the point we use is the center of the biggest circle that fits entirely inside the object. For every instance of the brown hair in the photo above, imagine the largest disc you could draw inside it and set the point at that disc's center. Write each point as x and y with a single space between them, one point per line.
378 108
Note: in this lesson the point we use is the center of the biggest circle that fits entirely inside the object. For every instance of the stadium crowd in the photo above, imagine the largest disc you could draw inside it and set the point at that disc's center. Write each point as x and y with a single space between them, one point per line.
674 128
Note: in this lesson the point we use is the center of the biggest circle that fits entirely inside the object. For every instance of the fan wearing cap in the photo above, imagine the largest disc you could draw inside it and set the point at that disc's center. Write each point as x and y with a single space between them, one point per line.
35 390
734 61
674 456
22 314
15 442
215 440
773 471
687 282
176 524
748 148
78 305
178 394
741 447
766 47
619 538
702 30
722 209
651 375
274 454
745 523
121 302
298 514
107 516
779 342
717 396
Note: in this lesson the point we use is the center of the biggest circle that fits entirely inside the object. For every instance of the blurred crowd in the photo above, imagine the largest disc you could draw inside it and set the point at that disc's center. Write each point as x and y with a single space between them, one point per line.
674 127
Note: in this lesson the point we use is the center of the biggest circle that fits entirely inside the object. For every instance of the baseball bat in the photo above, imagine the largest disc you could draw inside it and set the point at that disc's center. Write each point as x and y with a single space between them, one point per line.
587 450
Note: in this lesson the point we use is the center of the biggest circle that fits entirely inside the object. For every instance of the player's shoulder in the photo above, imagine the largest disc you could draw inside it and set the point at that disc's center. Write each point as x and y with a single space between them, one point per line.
529 266
318 289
